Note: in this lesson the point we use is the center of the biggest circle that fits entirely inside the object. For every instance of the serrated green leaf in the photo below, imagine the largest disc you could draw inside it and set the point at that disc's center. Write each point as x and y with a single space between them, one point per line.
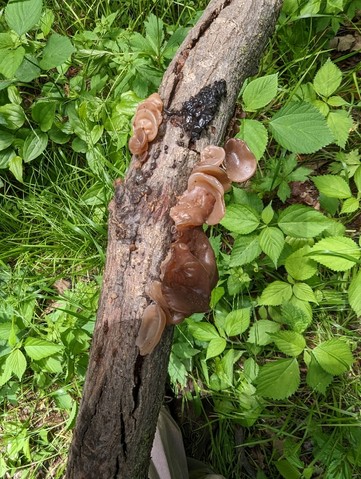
289 342
23 15
259 92
267 214
258 334
56 52
327 79
336 252
316 377
203 331
300 128
245 198
357 178
12 116
332 186
16 167
39 348
44 114
304 292
16 362
301 221
350 205
250 369
237 321
299 266
34 145
340 123
336 101
272 241
245 250
240 219
47 20
278 379
216 347
354 293
322 107
334 356
255 135
296 317
276 293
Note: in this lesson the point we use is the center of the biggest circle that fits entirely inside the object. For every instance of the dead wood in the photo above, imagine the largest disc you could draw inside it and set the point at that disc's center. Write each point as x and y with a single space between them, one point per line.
123 391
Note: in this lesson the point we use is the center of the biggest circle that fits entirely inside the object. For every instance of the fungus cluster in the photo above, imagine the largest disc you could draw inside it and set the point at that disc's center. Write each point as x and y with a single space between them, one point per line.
146 122
189 272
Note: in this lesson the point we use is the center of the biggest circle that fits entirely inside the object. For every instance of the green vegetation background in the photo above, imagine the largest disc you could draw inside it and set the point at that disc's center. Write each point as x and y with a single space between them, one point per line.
271 377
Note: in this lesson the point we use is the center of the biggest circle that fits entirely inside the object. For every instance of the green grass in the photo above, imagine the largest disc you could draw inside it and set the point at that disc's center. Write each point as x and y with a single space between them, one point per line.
53 235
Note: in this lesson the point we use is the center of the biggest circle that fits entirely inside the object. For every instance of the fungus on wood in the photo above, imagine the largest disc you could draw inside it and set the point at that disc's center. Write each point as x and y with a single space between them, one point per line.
123 390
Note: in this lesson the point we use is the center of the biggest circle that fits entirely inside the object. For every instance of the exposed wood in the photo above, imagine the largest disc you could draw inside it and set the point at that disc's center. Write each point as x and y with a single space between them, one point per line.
123 392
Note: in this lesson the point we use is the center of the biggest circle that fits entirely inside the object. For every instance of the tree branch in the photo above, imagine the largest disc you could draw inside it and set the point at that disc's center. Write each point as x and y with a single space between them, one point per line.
123 391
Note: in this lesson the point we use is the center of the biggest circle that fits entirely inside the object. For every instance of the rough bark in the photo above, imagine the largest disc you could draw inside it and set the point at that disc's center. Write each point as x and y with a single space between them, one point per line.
123 391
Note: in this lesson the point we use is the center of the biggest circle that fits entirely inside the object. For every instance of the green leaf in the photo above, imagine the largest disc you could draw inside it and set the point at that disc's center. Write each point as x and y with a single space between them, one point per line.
39 348
28 70
47 20
357 178
272 241
23 15
258 334
16 167
56 52
327 79
350 205
237 321
43 113
216 347
12 116
11 56
34 145
240 219
289 342
296 317
278 379
334 356
6 138
300 128
267 214
250 368
255 135
332 186
154 32
203 331
354 293
299 266
340 123
336 101
336 252
276 293
304 292
16 362
287 470
259 92
316 377
245 250
301 221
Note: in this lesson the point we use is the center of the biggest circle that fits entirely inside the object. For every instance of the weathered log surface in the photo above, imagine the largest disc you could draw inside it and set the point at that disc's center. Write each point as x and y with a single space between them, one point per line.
123 391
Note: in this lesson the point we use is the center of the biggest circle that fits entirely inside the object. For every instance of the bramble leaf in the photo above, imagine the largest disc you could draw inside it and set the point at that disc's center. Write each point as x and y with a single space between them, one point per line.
340 123
327 79
216 347
334 356
272 241
276 293
245 250
37 348
354 293
301 221
299 266
203 331
258 334
317 378
237 321
259 92
22 16
255 135
289 342
332 186
300 128
240 219
278 379
336 252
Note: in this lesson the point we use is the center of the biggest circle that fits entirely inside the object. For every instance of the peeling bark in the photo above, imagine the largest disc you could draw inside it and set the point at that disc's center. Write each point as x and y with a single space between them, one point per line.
123 391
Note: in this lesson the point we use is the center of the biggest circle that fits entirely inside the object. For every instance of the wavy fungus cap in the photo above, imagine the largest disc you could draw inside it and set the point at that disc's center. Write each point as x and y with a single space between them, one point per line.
151 329
212 155
214 187
240 162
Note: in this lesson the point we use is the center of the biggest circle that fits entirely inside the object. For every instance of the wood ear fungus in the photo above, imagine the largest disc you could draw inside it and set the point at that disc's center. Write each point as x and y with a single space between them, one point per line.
189 272
240 162
146 122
